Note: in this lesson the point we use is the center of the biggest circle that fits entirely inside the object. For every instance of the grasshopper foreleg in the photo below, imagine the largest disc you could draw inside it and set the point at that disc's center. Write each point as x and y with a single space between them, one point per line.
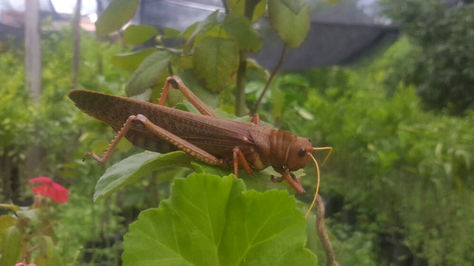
290 177
182 144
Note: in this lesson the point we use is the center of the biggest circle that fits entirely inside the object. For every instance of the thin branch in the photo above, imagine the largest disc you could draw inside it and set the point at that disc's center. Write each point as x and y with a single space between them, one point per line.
225 3
323 234
269 81
240 86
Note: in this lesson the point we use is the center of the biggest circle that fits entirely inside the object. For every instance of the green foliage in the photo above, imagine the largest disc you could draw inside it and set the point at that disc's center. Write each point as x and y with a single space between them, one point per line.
130 169
212 50
11 246
215 61
224 225
152 70
110 21
443 63
137 34
291 27
401 172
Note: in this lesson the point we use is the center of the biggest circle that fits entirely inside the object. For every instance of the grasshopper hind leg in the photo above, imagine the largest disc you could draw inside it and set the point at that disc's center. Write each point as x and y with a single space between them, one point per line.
180 143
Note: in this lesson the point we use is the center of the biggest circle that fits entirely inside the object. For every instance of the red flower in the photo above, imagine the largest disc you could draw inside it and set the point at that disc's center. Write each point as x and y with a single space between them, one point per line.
51 189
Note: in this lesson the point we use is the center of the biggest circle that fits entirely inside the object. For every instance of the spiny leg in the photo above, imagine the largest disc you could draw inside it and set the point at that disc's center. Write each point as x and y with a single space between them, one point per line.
238 156
323 149
182 144
122 132
177 83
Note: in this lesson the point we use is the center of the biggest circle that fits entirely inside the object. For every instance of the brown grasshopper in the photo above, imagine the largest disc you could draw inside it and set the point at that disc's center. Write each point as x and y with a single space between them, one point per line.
206 137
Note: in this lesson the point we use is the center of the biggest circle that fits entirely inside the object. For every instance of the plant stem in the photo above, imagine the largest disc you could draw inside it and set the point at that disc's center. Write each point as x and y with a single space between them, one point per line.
323 234
242 70
240 89
269 81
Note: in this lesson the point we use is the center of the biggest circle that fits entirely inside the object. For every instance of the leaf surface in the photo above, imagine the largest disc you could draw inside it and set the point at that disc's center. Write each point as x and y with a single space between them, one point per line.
295 5
134 167
118 13
215 62
11 248
292 28
240 29
214 221
152 68
137 34
131 60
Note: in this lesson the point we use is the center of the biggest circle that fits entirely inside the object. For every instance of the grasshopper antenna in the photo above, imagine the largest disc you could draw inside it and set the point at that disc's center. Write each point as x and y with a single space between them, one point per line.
318 174
317 186
324 149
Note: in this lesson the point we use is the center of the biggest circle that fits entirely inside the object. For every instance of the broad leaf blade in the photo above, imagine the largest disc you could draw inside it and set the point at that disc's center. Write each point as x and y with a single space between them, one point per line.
134 167
238 8
212 221
130 61
11 248
137 34
154 67
295 5
292 28
240 29
215 62
115 16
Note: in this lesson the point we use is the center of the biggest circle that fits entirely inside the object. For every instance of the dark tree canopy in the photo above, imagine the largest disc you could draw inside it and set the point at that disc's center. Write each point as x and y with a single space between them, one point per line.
443 71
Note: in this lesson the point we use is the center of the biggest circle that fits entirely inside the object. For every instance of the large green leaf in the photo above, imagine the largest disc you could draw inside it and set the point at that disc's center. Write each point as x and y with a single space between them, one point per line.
215 62
295 5
240 29
131 60
115 16
213 221
6 221
292 28
154 67
238 8
134 167
11 248
136 34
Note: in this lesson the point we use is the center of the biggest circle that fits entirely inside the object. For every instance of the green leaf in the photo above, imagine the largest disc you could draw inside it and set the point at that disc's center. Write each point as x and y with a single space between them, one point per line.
240 30
49 254
11 246
171 33
6 221
215 61
295 5
134 167
198 28
188 77
292 28
115 16
213 221
136 34
130 61
154 67
238 8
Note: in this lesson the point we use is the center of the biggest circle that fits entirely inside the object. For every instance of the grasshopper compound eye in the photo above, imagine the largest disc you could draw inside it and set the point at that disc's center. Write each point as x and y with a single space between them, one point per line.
302 152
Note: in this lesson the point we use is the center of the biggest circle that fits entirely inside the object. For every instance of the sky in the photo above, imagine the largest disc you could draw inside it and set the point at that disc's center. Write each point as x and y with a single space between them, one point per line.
67 6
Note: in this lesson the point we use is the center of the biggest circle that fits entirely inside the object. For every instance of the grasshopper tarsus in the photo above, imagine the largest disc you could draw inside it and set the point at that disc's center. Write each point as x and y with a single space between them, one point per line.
276 179
94 156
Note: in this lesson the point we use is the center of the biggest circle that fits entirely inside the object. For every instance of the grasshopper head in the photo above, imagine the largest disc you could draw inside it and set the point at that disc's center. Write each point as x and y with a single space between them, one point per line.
298 156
